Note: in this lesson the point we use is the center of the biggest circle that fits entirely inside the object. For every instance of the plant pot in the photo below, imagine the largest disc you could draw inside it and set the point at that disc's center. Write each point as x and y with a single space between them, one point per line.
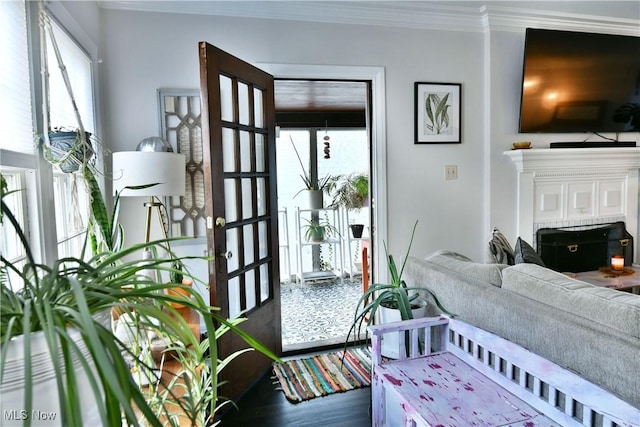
316 199
316 235
180 293
390 342
46 401
356 230
63 143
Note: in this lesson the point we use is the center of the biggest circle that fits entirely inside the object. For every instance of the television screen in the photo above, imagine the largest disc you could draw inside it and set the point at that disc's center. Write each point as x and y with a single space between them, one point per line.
579 82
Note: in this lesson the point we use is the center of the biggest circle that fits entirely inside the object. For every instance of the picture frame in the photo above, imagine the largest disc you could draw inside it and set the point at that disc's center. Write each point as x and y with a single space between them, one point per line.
441 122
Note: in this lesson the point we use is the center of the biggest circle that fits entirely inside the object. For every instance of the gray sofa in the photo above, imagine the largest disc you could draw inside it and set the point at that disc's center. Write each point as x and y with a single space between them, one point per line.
592 331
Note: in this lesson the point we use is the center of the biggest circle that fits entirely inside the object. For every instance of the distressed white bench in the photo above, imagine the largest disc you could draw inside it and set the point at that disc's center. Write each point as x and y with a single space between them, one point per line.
476 378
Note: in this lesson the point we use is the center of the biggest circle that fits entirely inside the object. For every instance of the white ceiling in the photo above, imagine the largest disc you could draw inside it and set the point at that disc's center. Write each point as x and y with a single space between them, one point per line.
451 15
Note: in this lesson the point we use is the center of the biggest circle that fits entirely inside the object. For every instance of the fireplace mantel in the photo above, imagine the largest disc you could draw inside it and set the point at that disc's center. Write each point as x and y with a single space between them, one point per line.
576 186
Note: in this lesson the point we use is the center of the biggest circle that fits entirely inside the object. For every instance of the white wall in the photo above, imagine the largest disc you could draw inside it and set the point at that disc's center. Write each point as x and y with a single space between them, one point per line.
143 52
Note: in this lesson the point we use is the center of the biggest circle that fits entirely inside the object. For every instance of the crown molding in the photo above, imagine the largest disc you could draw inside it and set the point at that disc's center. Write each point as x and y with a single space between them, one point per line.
502 18
465 16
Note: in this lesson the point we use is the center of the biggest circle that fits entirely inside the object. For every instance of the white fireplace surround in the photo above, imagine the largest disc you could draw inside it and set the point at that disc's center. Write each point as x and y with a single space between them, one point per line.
562 187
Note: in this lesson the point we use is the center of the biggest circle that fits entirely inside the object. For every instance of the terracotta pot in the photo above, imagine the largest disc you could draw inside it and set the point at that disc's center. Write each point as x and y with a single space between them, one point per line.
180 293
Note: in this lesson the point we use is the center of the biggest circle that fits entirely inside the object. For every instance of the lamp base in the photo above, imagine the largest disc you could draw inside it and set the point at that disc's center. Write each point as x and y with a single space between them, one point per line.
152 203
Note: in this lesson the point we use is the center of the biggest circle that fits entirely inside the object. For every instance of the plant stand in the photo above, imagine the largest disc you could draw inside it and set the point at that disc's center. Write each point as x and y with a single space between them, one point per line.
352 245
335 243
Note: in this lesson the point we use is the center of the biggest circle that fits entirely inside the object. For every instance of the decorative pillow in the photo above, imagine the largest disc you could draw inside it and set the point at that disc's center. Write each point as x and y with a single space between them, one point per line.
500 251
524 253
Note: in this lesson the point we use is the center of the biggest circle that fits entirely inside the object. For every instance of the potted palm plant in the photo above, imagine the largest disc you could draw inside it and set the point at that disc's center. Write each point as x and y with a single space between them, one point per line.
315 186
57 345
317 230
350 192
393 301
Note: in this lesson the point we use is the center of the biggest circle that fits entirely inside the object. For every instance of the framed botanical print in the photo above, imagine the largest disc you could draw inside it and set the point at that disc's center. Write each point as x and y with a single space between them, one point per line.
437 113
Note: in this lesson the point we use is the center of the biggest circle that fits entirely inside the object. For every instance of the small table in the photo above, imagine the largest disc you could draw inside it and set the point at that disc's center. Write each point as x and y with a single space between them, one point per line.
620 282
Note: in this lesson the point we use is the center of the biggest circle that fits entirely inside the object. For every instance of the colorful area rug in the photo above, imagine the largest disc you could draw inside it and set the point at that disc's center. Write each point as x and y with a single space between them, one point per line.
323 374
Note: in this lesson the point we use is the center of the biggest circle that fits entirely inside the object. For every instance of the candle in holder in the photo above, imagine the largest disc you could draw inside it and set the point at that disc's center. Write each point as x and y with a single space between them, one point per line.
617 263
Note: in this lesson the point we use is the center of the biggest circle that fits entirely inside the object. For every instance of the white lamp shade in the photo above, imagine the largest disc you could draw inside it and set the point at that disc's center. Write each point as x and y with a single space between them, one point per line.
133 168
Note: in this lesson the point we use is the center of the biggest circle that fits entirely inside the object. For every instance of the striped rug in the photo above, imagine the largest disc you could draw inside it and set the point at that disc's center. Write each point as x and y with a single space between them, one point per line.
320 375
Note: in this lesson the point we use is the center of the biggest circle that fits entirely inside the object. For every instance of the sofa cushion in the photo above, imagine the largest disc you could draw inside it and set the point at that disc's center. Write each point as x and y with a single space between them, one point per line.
489 273
614 309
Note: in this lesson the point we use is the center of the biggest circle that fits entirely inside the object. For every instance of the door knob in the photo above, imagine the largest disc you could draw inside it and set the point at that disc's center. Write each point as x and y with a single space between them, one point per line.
227 255
220 222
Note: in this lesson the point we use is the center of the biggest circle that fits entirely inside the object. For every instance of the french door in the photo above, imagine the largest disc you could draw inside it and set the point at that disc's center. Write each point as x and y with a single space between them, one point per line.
238 129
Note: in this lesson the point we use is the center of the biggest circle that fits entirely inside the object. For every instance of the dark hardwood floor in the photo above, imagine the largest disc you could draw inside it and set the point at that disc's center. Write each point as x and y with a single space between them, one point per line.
264 406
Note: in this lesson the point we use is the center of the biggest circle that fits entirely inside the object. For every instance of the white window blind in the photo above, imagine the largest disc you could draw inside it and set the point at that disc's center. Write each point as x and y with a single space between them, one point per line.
78 65
72 203
15 89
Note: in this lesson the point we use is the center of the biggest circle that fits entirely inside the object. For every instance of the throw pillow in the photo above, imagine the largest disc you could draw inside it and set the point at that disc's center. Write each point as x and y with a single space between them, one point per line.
500 251
524 253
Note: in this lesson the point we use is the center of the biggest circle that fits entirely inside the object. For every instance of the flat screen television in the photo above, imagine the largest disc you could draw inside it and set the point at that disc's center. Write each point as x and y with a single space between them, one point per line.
579 82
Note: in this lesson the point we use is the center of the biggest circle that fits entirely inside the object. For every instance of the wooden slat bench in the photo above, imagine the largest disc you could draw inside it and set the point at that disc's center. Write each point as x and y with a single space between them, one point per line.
476 378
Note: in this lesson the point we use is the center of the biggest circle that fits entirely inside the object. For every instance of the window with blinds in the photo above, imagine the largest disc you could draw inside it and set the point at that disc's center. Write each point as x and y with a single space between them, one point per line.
18 152
72 203
15 88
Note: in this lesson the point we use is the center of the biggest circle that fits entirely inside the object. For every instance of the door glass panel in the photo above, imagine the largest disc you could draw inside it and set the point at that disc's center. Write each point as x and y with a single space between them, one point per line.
262 240
264 282
226 99
234 297
243 103
261 199
247 200
230 206
233 249
260 153
250 288
228 150
257 105
245 151
248 244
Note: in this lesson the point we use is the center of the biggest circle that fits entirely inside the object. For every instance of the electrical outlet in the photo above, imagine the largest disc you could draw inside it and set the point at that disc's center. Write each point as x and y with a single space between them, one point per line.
451 172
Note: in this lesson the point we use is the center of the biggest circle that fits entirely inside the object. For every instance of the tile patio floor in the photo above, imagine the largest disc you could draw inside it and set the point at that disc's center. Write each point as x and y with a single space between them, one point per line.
317 313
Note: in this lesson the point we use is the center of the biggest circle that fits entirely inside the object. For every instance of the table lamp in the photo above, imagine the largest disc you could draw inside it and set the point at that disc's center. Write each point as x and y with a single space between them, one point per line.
153 162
